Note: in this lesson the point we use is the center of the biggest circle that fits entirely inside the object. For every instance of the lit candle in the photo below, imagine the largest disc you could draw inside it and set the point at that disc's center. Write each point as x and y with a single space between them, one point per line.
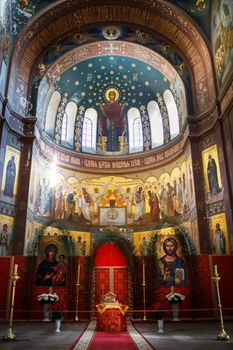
143 271
215 269
78 271
15 269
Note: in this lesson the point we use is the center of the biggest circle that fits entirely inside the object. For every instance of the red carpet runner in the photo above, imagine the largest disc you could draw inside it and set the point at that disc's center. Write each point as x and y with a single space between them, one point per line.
112 341
92 340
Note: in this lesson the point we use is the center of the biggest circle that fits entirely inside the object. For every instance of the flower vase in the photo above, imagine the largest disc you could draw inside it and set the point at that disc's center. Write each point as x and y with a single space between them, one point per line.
175 312
46 312
58 326
160 326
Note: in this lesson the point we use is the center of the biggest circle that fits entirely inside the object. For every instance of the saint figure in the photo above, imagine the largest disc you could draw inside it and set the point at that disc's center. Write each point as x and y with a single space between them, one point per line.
219 241
212 176
112 120
10 177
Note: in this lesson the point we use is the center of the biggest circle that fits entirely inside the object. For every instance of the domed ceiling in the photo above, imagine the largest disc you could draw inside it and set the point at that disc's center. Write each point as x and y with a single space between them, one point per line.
24 11
140 78
87 82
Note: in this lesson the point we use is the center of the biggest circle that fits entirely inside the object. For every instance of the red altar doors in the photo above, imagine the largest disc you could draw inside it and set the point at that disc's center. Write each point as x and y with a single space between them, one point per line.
111 273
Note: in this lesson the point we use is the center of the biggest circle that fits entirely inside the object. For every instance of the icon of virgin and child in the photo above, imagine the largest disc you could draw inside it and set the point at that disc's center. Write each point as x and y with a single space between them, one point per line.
51 272
112 120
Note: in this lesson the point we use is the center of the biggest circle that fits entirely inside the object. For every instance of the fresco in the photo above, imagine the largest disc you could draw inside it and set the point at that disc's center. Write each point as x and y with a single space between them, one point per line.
52 266
81 243
6 234
212 175
9 188
192 227
33 232
219 234
223 37
141 241
171 265
61 194
5 41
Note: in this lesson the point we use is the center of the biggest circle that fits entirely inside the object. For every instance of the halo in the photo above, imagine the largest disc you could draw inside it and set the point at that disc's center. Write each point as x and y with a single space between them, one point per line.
108 91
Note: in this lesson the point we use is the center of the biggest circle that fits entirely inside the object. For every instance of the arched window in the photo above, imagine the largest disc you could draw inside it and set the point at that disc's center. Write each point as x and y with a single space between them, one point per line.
156 124
64 127
51 113
71 111
172 113
89 131
135 131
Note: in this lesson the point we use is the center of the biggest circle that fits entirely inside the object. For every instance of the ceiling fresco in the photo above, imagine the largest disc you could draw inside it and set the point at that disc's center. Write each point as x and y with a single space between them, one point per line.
87 82
85 74
130 75
199 10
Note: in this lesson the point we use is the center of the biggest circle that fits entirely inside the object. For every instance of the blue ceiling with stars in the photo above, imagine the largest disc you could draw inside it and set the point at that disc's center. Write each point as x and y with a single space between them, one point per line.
137 83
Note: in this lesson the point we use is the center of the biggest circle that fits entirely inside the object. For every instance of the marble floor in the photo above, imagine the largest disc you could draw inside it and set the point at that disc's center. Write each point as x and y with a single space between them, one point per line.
184 335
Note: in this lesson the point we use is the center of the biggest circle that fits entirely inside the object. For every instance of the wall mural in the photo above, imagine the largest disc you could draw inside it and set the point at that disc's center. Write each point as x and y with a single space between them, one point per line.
112 200
141 240
223 37
52 267
81 243
5 41
212 175
9 188
33 233
6 234
219 235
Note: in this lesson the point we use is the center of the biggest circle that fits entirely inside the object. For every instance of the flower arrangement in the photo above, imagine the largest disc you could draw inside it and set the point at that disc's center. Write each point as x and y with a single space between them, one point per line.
175 298
47 298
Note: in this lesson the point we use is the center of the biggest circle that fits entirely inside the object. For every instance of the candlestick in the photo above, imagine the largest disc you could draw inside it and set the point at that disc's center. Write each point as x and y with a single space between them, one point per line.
216 278
78 271
9 334
143 271
15 269
78 284
144 290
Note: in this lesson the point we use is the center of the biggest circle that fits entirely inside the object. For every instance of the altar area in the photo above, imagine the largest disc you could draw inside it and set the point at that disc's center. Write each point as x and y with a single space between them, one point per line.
111 315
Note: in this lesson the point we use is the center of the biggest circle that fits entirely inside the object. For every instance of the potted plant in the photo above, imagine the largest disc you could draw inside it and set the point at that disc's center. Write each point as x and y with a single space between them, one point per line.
175 299
57 317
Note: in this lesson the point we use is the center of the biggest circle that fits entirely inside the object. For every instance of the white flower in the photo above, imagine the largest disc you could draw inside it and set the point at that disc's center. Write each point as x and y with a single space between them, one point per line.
47 298
175 297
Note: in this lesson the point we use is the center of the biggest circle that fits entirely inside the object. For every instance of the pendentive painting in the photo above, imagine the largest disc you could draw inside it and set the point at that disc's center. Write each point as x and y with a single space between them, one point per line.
172 269
222 37
212 176
52 267
9 187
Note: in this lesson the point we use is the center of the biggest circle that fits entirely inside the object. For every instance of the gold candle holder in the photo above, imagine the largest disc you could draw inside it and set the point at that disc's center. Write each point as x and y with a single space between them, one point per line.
9 334
77 300
144 290
222 334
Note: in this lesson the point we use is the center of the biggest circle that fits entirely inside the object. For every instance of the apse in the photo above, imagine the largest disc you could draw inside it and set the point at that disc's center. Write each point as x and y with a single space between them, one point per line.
147 110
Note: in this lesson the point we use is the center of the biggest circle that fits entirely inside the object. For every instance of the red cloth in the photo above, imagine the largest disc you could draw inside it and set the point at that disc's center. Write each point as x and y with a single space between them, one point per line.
112 318
112 111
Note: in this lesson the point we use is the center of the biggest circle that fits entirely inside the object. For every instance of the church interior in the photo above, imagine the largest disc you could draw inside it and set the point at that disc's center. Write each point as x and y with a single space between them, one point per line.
116 173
